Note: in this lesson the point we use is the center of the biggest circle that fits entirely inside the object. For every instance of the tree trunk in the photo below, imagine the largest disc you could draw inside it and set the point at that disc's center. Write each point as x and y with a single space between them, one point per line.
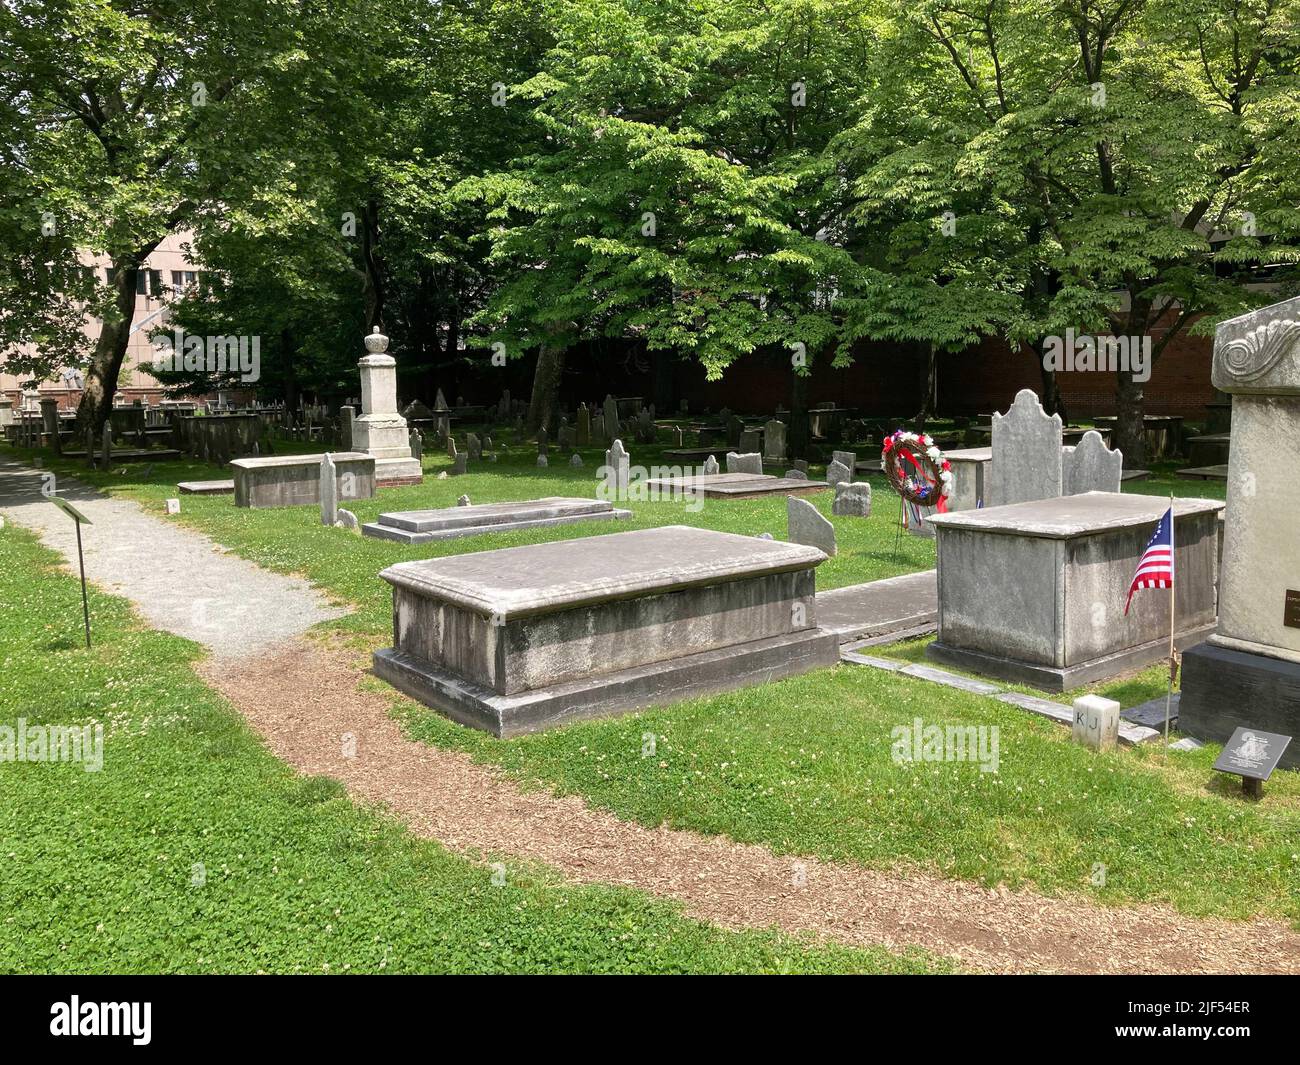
929 385
1130 430
373 286
546 387
110 352
799 437
1053 402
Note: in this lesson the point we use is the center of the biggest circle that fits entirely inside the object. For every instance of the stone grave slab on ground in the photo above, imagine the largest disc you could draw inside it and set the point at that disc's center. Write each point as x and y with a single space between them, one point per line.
450 523
895 606
205 488
735 485
527 638
1034 592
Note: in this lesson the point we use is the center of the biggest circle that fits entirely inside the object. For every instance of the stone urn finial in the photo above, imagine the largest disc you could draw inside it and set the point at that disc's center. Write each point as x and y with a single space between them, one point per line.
376 342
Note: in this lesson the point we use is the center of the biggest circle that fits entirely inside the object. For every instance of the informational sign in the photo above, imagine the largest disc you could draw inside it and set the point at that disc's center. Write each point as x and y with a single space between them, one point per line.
71 511
1291 612
1252 753
80 520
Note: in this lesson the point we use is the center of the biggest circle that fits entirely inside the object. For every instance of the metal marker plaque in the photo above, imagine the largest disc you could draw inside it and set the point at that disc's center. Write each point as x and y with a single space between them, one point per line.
1252 753
1291 612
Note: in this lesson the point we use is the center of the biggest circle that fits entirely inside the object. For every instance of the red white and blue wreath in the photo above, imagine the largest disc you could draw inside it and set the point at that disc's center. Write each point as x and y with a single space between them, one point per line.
916 469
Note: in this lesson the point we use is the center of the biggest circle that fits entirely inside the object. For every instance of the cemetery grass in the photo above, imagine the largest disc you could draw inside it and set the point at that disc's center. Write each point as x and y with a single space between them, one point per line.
803 766
193 850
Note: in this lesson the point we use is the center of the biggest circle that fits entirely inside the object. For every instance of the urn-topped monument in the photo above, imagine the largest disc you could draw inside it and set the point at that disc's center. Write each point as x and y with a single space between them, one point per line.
1248 672
381 431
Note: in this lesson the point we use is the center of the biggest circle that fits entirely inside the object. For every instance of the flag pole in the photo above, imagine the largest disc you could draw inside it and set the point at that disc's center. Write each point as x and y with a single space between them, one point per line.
1173 661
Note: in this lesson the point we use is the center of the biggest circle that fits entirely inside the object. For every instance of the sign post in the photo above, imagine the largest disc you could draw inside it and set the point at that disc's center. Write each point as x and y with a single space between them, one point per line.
79 519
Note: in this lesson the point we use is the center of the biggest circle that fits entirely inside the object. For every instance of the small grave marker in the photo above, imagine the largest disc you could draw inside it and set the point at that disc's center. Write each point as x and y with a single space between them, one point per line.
1252 755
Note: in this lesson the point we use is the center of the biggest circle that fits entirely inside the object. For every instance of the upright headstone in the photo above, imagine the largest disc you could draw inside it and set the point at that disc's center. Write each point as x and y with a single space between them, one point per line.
474 446
458 464
677 436
1026 462
751 440
852 500
50 422
463 501
417 445
582 431
575 460
440 401
329 491
795 474
734 428
848 459
774 441
1090 466
348 520
838 473
347 419
752 462
451 447
807 526
107 455
611 418
618 469
710 466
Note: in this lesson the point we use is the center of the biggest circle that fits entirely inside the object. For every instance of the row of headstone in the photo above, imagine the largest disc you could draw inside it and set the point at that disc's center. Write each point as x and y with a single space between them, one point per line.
1029 461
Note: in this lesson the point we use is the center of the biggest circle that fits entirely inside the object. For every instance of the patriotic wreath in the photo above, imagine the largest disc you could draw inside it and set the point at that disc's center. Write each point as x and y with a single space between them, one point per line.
917 470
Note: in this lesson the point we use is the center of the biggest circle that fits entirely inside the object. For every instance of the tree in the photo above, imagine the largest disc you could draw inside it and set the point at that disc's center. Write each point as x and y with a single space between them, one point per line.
685 198
130 120
1125 140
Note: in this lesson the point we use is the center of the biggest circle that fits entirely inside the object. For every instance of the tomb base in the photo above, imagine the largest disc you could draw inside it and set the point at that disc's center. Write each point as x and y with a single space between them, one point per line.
1064 678
608 694
1224 689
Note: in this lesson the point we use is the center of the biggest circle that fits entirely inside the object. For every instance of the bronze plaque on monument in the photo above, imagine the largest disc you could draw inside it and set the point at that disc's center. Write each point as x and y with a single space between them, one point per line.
1291 614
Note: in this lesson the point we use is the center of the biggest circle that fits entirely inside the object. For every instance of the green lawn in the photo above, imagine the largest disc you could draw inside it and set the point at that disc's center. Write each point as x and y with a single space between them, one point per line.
804 765
193 850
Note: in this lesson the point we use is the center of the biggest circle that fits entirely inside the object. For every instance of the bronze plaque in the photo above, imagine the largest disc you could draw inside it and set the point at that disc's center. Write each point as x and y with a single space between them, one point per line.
1291 614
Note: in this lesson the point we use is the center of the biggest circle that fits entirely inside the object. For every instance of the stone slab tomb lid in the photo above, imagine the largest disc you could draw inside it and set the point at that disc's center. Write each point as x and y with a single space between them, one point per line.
1259 352
269 461
1072 516
516 582
458 517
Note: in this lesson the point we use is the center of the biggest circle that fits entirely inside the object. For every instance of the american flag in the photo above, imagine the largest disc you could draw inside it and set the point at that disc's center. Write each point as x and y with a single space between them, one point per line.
1156 569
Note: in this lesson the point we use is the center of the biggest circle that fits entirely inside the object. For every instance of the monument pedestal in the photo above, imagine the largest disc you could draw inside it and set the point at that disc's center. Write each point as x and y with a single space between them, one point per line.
526 638
1248 673
1225 689
381 431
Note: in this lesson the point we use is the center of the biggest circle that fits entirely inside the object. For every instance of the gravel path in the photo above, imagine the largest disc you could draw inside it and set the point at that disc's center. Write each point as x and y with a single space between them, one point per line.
178 579
305 701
